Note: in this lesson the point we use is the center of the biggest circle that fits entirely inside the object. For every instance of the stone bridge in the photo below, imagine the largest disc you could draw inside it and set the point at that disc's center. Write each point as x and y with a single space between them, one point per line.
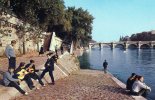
125 44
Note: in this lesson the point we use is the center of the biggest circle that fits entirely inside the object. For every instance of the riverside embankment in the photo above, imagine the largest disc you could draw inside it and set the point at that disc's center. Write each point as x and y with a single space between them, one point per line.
71 83
122 63
81 85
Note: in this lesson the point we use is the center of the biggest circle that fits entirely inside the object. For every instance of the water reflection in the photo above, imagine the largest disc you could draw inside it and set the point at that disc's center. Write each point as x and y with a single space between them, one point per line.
123 63
84 61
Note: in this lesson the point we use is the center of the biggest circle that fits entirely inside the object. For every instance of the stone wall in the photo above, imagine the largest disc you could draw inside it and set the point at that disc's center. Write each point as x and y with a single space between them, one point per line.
7 40
9 24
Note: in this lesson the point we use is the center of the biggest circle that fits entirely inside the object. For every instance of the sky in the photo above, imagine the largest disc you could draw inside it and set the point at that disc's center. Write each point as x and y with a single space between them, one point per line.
115 18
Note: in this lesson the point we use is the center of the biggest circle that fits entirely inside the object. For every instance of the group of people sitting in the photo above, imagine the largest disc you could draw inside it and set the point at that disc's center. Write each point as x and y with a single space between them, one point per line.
27 72
136 86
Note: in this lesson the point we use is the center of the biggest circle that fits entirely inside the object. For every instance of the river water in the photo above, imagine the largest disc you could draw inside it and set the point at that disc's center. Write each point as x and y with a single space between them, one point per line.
122 63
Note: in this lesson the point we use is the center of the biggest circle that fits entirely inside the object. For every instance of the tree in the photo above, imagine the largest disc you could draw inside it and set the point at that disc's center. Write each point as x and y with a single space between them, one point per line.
81 25
5 3
42 13
51 15
27 32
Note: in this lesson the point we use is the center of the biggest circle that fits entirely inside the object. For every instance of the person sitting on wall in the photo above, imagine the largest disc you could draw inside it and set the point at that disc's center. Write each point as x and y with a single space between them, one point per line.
139 87
130 81
22 74
8 80
32 71
49 67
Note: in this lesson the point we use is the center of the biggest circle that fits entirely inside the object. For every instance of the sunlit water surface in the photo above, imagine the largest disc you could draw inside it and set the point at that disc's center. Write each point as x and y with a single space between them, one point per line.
123 63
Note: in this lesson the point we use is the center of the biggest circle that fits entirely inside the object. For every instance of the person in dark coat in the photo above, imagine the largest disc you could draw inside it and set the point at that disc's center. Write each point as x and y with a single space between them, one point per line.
105 64
41 50
62 49
130 81
32 72
49 67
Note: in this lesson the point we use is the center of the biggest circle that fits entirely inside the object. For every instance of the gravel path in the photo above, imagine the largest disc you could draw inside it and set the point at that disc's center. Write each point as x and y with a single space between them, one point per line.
82 85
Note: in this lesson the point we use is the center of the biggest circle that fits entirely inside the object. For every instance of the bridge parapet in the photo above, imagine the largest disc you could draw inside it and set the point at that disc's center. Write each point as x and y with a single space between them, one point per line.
126 44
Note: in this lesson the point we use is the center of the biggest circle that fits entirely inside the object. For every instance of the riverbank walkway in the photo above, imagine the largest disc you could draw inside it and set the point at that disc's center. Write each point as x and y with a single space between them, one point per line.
81 85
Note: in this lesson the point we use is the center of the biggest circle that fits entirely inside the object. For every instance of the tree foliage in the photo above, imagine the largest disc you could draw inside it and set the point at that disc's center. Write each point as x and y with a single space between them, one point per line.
42 13
81 22
51 15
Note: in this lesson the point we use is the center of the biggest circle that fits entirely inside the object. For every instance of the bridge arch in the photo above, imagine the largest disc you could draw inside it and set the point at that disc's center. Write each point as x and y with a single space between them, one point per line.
119 46
132 46
153 46
145 46
106 45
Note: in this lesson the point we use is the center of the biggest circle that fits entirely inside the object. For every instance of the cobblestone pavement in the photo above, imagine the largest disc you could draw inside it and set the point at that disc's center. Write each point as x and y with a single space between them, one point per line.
82 85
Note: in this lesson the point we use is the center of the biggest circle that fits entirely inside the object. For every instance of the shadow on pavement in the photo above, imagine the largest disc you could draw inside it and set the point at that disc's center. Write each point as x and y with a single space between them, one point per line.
1 75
